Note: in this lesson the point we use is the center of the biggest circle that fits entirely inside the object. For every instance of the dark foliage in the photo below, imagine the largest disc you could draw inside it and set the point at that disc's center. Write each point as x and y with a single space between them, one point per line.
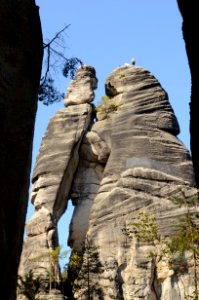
29 286
54 53
70 66
83 265
48 94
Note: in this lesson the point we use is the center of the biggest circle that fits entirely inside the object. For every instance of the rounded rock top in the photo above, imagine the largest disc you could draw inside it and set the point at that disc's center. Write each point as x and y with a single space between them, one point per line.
81 88
128 77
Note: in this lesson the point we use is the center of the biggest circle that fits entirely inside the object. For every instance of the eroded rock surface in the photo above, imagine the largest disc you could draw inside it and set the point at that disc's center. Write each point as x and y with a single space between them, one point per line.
53 174
129 160
146 167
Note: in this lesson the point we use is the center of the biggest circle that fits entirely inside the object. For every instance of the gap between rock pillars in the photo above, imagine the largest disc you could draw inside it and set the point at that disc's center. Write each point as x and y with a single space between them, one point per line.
63 233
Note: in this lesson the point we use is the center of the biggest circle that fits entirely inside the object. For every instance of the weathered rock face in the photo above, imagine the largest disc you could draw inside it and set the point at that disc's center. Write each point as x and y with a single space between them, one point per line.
81 89
144 166
128 161
53 175
21 51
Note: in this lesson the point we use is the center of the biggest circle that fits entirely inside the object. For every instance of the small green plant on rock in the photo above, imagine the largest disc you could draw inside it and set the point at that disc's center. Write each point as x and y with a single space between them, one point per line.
107 106
73 269
186 240
121 76
53 257
145 227
29 286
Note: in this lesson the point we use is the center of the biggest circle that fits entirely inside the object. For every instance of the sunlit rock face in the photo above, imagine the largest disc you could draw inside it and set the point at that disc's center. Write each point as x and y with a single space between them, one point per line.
53 174
81 89
129 160
143 166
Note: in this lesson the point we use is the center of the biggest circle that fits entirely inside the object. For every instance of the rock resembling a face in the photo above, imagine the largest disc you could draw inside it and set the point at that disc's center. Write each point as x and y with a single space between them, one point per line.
81 89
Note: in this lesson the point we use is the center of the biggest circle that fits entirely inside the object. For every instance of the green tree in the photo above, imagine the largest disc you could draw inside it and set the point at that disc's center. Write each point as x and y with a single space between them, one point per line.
145 228
71 272
54 272
29 286
185 240
174 248
83 265
54 56
53 257
107 106
91 265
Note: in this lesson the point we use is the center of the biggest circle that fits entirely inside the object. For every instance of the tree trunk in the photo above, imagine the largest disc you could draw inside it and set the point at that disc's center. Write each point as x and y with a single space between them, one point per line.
189 11
21 52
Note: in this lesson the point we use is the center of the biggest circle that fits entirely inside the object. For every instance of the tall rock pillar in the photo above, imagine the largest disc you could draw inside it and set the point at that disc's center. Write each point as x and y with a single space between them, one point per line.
56 164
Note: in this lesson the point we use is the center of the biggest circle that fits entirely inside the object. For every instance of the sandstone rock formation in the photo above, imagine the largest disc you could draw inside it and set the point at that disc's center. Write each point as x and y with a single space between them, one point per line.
21 51
146 167
128 161
53 174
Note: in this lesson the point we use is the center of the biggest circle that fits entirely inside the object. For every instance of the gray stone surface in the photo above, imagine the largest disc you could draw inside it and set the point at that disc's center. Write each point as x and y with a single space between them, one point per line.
146 167
53 174
128 161
81 89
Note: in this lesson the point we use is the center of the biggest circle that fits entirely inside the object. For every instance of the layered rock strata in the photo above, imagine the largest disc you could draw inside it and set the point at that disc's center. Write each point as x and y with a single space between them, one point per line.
53 174
129 161
146 168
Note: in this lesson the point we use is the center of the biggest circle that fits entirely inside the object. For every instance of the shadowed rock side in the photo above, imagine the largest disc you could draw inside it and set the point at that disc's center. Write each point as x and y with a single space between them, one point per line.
53 174
21 52
132 160
187 9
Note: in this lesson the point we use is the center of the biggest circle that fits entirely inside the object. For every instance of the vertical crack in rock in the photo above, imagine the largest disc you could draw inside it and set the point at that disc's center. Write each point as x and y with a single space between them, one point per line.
94 153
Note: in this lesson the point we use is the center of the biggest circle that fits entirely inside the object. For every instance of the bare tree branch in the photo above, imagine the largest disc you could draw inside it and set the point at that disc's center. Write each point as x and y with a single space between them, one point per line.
56 36
49 49
58 53
48 66
54 53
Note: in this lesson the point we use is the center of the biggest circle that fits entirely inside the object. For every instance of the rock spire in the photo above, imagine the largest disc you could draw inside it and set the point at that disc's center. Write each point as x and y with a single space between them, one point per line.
129 161
53 174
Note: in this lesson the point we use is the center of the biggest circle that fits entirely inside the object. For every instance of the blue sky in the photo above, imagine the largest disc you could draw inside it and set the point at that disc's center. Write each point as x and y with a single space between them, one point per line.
108 33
